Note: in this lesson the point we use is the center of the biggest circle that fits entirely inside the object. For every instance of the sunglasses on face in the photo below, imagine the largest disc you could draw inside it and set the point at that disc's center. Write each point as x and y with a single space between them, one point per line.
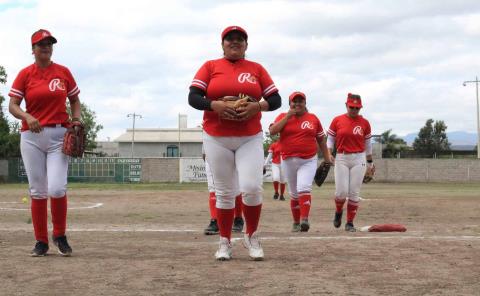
354 108
44 44
237 38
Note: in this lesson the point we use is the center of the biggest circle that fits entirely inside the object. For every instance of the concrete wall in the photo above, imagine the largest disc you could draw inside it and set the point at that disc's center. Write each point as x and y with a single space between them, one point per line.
388 170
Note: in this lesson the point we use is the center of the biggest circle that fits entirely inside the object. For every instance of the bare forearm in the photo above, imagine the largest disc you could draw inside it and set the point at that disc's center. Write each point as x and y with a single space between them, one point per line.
278 127
15 109
76 107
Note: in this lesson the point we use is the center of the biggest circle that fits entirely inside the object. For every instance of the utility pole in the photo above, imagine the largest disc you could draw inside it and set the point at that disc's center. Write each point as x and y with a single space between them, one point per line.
133 115
476 81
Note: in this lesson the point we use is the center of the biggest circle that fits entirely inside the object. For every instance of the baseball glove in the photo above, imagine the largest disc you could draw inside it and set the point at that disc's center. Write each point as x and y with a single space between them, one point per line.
369 174
238 103
74 140
322 173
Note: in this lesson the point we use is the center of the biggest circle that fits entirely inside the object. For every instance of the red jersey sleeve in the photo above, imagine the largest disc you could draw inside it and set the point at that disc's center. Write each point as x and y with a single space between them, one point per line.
279 117
202 78
72 88
320 131
332 130
18 86
266 82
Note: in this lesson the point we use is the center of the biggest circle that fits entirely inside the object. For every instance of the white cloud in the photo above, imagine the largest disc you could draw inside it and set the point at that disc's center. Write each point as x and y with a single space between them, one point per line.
406 58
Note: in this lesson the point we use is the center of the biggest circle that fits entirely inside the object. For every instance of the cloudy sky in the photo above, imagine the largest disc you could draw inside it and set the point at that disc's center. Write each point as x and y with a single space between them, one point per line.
407 59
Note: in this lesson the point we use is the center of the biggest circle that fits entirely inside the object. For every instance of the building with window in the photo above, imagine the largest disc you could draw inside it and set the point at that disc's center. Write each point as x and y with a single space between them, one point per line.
162 142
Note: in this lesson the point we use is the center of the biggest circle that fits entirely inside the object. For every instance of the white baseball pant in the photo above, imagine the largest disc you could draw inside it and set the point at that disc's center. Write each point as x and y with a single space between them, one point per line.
349 172
277 173
44 161
236 164
299 173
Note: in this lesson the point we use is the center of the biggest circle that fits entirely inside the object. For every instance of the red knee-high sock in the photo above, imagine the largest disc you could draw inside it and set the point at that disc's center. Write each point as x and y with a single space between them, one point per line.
339 202
305 201
282 188
225 222
275 186
352 208
238 206
212 200
58 208
295 207
39 219
252 217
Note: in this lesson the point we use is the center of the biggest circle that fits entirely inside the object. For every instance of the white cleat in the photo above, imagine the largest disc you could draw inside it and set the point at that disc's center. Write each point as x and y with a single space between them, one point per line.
224 251
252 243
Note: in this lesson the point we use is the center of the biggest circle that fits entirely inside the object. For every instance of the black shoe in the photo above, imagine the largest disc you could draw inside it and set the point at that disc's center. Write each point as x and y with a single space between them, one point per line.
237 224
212 228
349 227
275 196
282 197
304 225
40 249
337 221
64 248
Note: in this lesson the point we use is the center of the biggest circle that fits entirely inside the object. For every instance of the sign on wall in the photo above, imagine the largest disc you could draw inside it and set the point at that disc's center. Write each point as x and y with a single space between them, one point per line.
192 170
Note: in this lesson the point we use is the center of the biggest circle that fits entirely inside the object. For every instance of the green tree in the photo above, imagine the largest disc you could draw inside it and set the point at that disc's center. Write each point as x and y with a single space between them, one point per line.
89 118
432 138
269 139
391 144
9 132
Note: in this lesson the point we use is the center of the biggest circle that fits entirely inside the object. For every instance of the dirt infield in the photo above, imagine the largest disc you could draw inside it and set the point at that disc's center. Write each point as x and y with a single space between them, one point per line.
148 240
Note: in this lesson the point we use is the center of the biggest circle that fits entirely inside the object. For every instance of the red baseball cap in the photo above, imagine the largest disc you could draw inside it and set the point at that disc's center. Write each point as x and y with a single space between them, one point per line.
297 94
234 28
42 34
354 101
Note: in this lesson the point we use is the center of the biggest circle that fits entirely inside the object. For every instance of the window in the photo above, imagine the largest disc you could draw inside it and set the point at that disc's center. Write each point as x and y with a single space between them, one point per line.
172 151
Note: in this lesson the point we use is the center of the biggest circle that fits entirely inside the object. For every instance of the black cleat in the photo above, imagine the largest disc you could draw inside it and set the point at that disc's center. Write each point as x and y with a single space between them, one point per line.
349 227
304 225
212 228
64 248
282 197
337 221
40 249
275 196
237 224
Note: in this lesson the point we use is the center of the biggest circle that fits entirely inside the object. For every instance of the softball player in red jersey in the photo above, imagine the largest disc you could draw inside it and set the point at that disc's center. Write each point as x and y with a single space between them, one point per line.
351 134
233 142
300 132
45 86
212 228
278 176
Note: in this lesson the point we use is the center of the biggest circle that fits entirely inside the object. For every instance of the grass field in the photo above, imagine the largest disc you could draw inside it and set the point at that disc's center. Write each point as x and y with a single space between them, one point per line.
147 239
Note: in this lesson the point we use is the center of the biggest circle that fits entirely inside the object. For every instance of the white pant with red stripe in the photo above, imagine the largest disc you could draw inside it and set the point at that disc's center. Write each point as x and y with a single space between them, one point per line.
44 161
349 172
236 164
299 173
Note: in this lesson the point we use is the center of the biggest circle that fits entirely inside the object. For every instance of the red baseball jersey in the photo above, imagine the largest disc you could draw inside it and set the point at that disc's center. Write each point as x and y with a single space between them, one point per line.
45 91
219 78
350 133
275 150
298 138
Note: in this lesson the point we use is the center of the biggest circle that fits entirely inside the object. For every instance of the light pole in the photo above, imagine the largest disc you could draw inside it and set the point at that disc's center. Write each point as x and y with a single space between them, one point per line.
476 81
133 115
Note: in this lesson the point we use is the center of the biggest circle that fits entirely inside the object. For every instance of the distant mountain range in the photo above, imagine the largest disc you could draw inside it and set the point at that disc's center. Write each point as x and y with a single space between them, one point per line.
459 140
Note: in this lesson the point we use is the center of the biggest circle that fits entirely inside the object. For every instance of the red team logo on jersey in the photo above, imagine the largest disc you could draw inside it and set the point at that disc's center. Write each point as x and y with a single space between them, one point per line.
247 77
56 84
358 130
306 124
